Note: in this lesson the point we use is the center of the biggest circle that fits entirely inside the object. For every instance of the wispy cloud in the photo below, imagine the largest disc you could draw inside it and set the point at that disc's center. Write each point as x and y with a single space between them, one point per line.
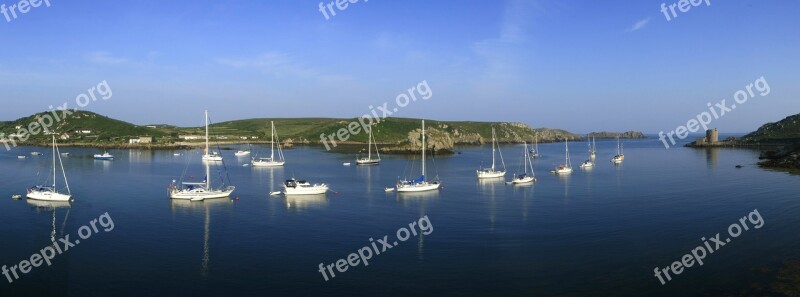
280 64
639 25
105 58
502 54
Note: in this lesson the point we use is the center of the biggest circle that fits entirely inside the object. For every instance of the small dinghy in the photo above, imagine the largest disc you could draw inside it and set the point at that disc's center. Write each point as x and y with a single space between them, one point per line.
387 190
346 164
275 193
16 197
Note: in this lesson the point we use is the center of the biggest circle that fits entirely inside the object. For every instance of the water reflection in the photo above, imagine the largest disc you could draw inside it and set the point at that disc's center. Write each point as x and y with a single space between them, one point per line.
140 156
304 202
411 196
51 207
712 156
187 206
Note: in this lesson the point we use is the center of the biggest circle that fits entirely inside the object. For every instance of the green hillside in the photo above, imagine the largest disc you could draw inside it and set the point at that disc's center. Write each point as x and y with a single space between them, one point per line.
389 130
783 131
101 128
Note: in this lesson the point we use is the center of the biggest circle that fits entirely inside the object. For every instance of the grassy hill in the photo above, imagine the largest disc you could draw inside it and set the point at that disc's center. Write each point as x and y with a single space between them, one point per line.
783 131
395 134
102 128
389 130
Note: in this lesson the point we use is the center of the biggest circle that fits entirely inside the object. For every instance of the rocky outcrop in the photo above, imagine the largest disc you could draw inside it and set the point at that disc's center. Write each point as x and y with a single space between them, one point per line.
787 157
437 141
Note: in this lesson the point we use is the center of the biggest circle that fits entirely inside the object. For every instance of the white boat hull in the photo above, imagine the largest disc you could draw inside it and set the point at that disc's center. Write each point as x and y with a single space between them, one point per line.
490 174
587 165
48 196
420 187
200 194
240 154
524 180
313 190
268 164
212 158
368 161
563 171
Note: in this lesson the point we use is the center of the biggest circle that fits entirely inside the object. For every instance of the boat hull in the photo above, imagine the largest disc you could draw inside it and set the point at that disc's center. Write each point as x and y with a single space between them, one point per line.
200 195
368 161
490 174
421 187
563 171
48 196
315 190
268 164
524 180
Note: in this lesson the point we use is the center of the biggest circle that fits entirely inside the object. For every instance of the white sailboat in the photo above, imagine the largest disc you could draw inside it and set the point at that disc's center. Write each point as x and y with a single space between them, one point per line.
51 193
620 154
199 191
535 150
492 172
369 160
565 168
527 162
271 161
420 184
301 187
588 164
208 154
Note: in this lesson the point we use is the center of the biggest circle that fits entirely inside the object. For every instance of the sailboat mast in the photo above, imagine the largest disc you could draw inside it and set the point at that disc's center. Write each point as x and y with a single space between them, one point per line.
54 162
369 145
61 162
423 148
493 149
208 166
272 142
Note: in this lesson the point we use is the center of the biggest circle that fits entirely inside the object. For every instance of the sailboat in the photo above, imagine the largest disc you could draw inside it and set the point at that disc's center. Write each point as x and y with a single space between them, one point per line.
588 164
492 172
527 162
566 168
271 161
241 153
199 191
51 193
620 154
208 154
420 184
369 160
535 150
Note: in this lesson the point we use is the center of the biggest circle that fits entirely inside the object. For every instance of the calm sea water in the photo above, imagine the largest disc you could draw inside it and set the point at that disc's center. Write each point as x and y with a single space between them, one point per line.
595 233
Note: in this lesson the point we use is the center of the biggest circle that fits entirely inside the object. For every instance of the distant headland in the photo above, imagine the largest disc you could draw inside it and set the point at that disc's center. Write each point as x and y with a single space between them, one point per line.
393 135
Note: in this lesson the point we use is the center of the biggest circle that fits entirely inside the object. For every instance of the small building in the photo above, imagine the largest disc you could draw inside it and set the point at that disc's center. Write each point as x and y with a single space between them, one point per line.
142 139
151 126
190 137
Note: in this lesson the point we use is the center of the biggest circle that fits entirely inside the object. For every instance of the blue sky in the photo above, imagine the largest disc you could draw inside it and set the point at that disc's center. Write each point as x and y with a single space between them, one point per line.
577 65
